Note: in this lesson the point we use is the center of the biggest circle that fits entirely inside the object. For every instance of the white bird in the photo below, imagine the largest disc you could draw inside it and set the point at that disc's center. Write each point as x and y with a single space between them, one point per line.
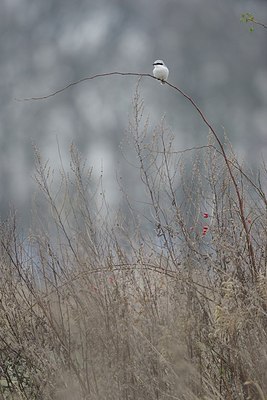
160 71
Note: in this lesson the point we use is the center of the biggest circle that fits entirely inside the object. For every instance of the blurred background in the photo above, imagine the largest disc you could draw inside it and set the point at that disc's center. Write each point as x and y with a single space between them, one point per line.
47 44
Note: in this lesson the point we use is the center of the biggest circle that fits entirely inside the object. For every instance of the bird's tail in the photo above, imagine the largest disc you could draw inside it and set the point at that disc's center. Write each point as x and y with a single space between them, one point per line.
162 82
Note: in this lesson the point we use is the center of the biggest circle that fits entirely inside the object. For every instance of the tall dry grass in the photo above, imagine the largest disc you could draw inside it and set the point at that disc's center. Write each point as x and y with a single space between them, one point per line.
164 303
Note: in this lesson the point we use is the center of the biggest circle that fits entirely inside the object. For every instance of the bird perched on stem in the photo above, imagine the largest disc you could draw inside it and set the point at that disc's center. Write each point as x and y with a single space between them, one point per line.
160 71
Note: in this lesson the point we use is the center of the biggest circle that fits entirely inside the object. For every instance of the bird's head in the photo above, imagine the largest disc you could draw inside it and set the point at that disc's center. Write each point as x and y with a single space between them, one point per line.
158 62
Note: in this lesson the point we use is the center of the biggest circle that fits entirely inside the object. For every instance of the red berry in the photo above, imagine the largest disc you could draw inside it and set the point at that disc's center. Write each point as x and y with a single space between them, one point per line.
204 230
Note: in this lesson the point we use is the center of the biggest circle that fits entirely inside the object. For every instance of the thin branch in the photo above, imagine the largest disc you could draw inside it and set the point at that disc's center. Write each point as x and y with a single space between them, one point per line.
83 80
260 23
247 17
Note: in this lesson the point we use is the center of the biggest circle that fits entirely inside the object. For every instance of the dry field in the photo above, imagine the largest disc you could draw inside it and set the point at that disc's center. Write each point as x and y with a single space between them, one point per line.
166 302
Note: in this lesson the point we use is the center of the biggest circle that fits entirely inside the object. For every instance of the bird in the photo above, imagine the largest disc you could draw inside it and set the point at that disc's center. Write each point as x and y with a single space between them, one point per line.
160 71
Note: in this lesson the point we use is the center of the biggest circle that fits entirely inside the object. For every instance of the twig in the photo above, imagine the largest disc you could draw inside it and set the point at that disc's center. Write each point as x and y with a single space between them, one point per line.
83 80
247 17
260 23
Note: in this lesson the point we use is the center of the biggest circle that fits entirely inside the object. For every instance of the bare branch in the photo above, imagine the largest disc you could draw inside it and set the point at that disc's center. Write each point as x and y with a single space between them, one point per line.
83 80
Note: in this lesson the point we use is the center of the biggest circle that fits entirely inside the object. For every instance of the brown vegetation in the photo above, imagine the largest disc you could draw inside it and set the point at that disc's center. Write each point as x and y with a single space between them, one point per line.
167 304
